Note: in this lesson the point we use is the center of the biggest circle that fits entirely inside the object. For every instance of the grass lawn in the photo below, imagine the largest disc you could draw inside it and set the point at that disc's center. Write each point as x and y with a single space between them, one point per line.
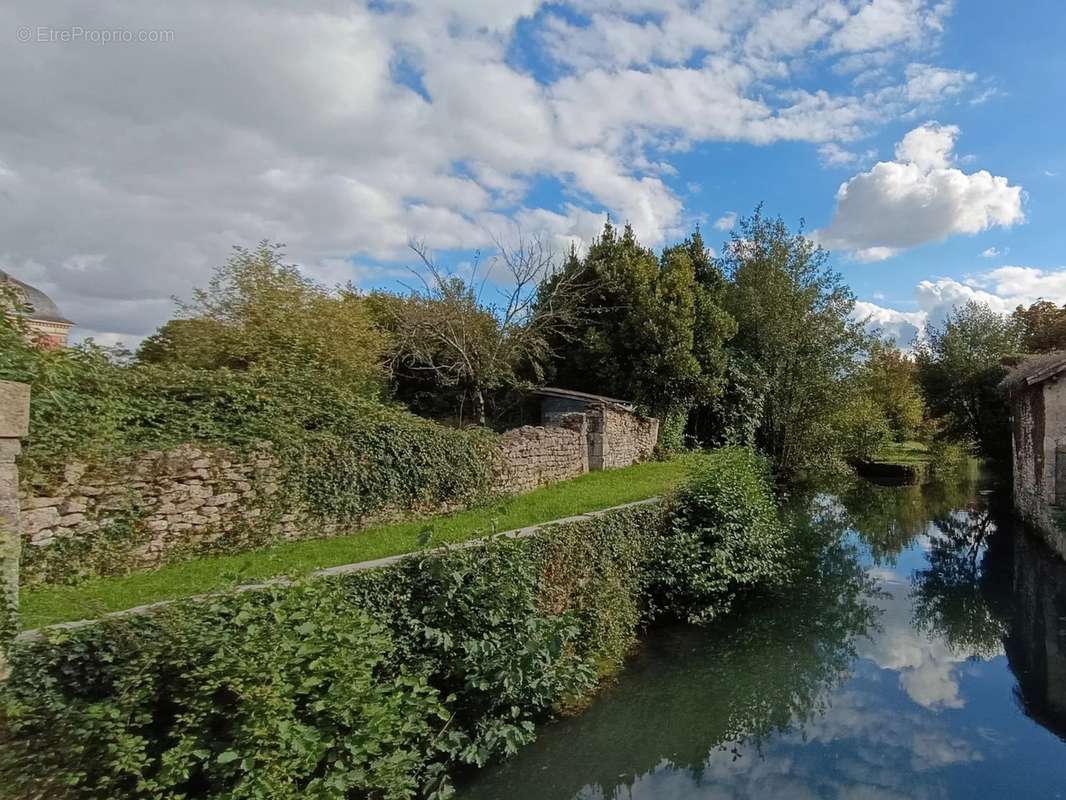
45 605
903 453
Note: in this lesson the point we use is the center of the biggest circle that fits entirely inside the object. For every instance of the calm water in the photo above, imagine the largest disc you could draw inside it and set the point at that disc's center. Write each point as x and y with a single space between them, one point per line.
922 656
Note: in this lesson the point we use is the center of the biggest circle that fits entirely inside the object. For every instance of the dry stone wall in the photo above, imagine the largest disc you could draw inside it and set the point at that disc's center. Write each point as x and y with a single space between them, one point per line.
529 456
178 499
628 438
173 503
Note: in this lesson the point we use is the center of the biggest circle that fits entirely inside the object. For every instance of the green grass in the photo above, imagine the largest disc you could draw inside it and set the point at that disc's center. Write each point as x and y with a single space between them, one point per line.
903 453
46 605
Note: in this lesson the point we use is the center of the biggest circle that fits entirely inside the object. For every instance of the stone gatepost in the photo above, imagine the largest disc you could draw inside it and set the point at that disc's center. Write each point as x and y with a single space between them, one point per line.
14 425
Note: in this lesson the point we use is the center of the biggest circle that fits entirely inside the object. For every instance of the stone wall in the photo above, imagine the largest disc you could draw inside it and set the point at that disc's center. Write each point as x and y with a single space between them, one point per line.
1038 420
529 456
137 512
173 499
628 438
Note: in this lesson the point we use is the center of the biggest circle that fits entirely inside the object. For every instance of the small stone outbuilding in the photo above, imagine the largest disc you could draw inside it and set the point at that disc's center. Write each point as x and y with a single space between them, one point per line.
617 434
1037 391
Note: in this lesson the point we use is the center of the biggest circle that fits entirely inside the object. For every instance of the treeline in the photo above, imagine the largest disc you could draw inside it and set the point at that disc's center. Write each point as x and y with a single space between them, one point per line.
758 346
962 364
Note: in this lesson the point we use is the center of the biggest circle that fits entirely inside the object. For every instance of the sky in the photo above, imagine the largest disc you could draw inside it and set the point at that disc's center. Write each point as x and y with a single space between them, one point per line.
920 141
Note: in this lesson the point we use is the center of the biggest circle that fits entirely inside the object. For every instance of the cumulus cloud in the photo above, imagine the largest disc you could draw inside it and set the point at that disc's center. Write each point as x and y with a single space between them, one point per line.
833 155
726 222
128 171
1002 289
899 326
917 198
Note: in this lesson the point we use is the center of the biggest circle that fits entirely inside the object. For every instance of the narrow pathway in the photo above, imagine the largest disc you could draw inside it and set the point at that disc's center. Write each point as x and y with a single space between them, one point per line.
343 569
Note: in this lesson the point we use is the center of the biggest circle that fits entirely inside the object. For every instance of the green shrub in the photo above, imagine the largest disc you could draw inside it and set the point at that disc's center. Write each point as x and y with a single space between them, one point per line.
947 459
723 535
597 570
345 456
378 683
288 693
473 622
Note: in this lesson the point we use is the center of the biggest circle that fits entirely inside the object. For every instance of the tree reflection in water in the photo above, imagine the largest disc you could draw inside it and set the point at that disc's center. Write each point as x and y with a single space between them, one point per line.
878 673
888 519
766 669
962 594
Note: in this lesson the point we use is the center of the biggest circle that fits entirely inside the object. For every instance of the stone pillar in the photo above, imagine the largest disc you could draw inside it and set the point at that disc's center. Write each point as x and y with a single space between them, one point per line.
14 425
578 422
597 437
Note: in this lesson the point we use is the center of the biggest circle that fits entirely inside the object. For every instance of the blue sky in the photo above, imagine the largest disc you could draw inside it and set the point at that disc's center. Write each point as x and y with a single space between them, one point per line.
129 168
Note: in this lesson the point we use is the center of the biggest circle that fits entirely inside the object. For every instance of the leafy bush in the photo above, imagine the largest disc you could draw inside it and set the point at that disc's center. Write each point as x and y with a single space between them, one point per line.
947 459
288 693
473 622
723 536
344 455
78 400
863 429
597 569
377 683
372 683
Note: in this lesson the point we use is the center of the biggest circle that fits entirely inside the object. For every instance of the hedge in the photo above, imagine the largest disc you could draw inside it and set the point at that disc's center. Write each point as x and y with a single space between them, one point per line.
376 684
345 454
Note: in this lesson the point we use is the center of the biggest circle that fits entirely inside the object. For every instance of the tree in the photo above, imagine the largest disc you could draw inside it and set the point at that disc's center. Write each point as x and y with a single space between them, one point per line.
642 328
466 345
890 377
258 311
794 322
1043 326
960 369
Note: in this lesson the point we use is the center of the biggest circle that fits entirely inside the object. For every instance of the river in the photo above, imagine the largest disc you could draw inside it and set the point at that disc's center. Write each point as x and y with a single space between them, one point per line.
920 654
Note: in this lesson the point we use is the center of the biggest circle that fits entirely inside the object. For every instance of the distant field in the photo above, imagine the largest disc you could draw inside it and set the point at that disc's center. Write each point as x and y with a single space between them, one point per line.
597 490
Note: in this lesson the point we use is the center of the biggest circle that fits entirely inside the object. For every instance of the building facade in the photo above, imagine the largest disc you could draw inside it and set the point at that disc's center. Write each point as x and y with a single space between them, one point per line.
44 321
1037 391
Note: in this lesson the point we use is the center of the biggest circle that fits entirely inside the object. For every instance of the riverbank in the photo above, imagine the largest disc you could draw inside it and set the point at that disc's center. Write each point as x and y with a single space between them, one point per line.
382 681
952 693
47 605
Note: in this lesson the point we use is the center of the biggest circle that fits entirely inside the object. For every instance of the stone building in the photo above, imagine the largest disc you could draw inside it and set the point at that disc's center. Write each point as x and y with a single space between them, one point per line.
1037 391
46 323
617 435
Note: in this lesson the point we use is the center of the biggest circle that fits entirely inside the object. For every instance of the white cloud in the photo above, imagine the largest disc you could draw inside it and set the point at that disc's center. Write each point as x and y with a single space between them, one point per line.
1002 289
833 155
928 147
993 252
365 126
726 222
917 198
886 23
900 326
926 83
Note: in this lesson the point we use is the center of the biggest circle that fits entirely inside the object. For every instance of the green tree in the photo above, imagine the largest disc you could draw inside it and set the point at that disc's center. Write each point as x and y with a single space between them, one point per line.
960 368
453 338
643 328
890 377
258 311
1043 326
794 322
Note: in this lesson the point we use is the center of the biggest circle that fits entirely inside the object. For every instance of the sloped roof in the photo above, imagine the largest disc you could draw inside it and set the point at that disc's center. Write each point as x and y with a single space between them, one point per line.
42 307
570 394
1034 370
